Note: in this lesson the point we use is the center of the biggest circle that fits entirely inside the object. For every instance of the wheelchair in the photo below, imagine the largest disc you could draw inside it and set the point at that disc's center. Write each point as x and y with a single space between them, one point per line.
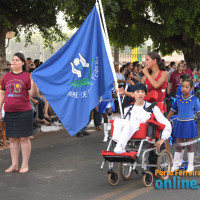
140 152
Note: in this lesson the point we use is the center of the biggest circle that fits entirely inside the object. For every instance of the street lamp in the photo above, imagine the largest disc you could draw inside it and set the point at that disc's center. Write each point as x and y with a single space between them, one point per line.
9 35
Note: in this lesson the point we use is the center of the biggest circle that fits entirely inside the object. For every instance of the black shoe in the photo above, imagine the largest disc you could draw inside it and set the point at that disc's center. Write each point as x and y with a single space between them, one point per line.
85 133
79 134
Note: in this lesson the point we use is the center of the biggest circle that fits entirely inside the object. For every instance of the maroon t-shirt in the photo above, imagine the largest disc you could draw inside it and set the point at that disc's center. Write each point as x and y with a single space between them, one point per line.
175 80
189 71
16 88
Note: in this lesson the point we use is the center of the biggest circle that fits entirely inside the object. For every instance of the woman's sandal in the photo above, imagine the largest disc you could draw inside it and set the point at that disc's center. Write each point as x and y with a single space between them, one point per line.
12 168
24 169
48 119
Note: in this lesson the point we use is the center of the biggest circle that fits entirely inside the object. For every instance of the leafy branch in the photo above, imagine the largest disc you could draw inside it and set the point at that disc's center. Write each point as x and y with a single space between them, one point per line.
80 83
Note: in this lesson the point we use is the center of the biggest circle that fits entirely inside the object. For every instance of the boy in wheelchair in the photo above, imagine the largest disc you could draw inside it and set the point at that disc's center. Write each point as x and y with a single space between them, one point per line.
139 113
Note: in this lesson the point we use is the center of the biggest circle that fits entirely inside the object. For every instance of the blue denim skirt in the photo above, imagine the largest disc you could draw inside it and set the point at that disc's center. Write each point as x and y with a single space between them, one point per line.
19 124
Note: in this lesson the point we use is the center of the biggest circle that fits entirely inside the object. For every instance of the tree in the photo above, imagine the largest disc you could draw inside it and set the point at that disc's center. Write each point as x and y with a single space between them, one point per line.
29 15
34 50
172 25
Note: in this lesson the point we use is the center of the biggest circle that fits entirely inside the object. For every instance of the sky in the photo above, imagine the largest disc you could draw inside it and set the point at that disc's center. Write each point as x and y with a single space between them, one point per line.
63 23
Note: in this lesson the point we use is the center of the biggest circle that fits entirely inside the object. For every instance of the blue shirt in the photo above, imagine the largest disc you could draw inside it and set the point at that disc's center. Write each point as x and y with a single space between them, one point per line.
179 91
186 107
120 77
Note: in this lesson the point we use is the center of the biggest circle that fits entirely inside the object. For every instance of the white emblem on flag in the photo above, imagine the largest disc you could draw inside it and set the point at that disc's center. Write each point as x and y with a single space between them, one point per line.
76 63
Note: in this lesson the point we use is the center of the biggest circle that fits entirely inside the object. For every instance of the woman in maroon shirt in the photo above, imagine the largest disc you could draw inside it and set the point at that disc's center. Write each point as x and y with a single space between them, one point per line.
175 80
15 88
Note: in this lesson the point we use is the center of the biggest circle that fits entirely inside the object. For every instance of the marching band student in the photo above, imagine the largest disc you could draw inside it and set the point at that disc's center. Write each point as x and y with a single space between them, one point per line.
157 79
179 94
185 127
179 89
125 128
155 76
106 107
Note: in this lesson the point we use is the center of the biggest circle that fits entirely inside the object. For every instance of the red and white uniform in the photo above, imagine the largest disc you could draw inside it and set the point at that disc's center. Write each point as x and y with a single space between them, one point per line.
161 90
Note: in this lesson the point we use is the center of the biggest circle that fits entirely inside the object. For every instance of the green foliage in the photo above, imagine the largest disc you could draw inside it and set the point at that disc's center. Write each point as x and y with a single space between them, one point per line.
30 15
172 25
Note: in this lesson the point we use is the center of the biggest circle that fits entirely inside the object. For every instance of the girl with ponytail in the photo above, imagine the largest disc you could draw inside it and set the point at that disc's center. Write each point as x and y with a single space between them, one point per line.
155 76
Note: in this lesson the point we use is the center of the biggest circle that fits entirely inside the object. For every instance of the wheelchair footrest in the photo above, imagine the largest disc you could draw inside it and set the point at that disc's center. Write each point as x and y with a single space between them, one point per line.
123 157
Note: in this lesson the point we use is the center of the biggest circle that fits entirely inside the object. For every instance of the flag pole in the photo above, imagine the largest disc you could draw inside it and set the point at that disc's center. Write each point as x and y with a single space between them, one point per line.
103 18
108 49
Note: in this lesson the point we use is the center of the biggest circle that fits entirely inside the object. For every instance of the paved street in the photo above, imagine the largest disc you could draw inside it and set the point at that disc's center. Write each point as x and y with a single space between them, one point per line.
64 168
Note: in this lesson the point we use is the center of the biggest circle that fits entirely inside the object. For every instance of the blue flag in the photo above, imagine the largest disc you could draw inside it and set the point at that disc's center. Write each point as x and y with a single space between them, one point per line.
74 78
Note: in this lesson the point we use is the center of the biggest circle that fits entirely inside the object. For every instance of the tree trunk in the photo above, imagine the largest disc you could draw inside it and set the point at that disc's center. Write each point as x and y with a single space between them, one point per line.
193 57
3 31
116 55
191 52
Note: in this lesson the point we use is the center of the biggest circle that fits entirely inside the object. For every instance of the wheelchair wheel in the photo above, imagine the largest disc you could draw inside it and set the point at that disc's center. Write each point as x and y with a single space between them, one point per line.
148 179
164 164
113 178
125 170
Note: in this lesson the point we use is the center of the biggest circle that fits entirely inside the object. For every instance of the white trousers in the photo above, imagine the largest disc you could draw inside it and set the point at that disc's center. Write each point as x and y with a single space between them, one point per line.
124 130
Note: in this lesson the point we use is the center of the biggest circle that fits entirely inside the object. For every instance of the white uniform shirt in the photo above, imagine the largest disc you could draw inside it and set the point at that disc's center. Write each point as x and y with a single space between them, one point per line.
139 115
